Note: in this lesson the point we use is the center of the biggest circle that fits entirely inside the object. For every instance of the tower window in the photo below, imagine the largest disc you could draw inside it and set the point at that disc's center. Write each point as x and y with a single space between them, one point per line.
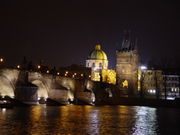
93 65
125 83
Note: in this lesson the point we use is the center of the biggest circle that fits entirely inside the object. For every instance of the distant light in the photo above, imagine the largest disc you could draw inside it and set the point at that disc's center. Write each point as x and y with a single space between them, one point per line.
47 71
3 110
66 72
4 101
39 66
143 67
89 76
58 73
75 73
18 66
81 74
1 59
152 91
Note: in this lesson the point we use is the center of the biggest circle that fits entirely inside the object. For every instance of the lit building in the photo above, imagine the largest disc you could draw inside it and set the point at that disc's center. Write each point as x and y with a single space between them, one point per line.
171 83
151 83
127 63
97 61
109 76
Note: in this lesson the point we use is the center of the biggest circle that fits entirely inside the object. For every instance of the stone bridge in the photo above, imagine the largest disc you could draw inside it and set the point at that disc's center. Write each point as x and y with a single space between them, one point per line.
56 87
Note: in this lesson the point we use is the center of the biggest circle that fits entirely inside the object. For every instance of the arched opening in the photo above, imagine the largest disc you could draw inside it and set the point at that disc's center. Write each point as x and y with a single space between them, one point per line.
42 89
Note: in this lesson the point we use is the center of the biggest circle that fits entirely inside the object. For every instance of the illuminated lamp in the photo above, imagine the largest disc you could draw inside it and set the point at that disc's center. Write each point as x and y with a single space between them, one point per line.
18 66
143 67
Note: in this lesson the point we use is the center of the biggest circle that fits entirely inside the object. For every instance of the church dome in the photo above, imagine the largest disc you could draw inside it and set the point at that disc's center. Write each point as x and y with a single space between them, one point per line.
98 54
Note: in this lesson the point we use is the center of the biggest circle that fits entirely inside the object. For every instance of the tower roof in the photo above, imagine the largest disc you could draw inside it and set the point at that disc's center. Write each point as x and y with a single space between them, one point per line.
98 54
129 41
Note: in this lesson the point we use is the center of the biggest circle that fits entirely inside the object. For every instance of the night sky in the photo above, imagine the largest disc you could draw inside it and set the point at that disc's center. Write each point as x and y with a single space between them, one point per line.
64 32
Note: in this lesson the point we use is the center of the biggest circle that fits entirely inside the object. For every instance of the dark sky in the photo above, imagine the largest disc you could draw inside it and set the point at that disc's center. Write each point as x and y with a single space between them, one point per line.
65 31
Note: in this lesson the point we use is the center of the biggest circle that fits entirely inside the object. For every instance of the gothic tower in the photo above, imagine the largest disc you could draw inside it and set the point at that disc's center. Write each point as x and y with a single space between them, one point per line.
127 63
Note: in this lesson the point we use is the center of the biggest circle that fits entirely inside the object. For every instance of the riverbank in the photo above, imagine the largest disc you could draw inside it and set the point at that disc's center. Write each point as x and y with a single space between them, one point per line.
143 102
121 101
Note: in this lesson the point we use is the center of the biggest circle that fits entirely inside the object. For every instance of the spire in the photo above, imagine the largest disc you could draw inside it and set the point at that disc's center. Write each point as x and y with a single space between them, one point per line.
98 47
126 40
129 42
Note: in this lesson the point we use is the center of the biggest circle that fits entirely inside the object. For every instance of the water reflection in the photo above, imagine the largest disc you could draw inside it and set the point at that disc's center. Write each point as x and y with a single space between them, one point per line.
93 120
145 121
90 120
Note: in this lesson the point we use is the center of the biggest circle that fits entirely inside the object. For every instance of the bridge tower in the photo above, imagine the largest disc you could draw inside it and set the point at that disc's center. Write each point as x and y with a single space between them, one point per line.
127 63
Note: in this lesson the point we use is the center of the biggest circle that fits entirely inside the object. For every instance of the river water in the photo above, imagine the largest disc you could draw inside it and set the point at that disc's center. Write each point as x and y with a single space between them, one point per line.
89 120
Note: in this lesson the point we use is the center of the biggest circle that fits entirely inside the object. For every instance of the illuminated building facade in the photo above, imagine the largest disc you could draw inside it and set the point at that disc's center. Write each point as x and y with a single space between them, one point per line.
127 63
151 82
97 61
171 81
109 76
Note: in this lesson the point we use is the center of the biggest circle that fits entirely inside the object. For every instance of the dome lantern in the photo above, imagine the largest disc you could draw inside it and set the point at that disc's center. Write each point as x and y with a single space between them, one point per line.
98 47
98 54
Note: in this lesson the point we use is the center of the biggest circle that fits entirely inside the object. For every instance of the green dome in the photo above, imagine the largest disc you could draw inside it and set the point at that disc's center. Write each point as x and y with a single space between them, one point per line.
98 54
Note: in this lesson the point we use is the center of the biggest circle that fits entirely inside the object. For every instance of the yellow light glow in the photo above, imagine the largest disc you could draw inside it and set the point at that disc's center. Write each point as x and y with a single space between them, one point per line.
109 76
95 76
125 83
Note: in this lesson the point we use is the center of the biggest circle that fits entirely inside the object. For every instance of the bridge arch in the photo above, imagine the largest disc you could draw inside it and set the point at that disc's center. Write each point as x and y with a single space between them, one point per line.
42 88
7 88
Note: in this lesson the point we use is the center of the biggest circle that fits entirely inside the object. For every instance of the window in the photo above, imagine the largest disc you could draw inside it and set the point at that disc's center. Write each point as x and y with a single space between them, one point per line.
93 65
125 83
87 64
100 64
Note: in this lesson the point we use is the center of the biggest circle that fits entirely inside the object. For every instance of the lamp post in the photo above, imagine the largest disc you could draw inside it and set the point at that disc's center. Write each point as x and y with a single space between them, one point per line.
1 62
39 68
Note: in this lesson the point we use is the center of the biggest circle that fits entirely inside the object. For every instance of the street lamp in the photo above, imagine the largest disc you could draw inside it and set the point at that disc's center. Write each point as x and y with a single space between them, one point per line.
143 67
1 60
18 66
38 66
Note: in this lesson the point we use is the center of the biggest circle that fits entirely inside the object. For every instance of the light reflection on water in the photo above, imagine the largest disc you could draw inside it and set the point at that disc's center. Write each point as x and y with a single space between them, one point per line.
89 120
146 121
